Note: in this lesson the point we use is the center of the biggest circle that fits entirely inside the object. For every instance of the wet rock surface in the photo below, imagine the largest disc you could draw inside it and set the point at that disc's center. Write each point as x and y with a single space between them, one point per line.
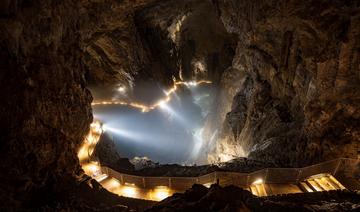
294 81
216 198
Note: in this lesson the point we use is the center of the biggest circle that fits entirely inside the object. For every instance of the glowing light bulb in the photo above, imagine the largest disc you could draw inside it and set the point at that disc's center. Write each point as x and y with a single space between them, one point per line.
207 185
96 127
129 191
121 89
162 103
192 83
258 181
160 193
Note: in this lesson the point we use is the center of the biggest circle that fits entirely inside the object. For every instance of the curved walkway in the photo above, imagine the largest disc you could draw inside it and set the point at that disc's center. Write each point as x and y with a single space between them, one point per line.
342 173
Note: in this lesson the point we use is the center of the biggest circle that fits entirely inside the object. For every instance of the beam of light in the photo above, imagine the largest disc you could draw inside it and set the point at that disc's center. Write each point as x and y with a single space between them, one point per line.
93 169
198 142
123 133
173 114
146 108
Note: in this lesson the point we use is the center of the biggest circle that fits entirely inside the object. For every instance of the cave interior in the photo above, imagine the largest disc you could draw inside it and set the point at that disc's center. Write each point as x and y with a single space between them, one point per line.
180 105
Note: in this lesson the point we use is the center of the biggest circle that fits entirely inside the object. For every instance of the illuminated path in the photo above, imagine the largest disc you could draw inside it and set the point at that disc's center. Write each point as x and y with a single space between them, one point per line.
101 174
159 103
265 182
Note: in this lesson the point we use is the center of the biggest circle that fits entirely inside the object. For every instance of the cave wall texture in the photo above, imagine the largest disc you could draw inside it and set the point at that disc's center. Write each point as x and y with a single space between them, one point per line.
294 81
45 110
288 73
157 41
50 51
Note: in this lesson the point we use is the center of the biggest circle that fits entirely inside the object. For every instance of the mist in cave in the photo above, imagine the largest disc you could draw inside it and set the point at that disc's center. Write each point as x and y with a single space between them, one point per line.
171 133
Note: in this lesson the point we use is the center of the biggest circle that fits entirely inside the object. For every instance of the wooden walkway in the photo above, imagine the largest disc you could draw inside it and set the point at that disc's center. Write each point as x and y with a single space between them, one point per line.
342 173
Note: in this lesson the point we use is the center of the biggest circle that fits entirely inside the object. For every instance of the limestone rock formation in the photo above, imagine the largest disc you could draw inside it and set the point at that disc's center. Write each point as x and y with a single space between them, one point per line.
46 111
106 153
113 52
154 41
230 198
294 81
178 39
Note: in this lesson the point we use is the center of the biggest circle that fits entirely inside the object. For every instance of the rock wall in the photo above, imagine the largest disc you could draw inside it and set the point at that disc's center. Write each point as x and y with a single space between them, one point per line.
45 110
187 42
114 53
50 51
154 41
106 153
231 198
294 81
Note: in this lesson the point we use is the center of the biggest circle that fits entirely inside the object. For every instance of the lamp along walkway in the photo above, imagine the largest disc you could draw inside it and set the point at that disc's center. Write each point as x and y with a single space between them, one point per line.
337 174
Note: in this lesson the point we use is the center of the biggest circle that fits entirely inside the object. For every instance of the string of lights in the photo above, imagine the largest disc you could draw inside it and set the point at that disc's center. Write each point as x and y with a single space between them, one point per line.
146 108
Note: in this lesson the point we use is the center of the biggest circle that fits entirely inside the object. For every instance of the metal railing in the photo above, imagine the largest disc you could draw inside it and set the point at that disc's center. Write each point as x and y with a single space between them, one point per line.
344 169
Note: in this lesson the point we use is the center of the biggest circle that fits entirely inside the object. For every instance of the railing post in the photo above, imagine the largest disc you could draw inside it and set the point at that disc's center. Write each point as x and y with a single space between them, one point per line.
143 181
122 179
266 175
337 167
169 182
298 176
103 170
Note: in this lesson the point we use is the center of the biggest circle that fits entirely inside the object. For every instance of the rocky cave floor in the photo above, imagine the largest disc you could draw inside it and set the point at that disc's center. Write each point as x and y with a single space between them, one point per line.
200 198
231 198
105 152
